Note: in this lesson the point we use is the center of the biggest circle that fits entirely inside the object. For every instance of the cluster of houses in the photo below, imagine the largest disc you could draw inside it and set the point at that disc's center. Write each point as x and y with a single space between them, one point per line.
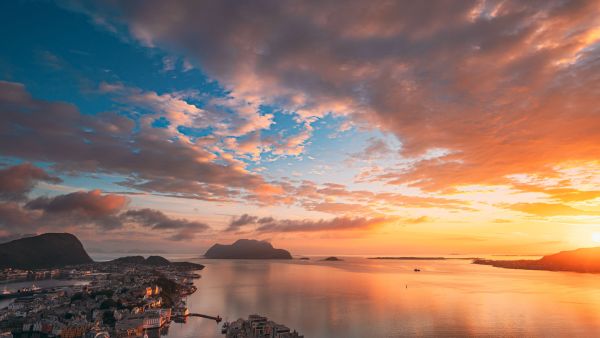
257 326
117 301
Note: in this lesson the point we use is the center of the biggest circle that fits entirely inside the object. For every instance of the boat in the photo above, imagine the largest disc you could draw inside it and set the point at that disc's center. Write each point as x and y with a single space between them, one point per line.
22 292
417 270
19 293
33 289
7 293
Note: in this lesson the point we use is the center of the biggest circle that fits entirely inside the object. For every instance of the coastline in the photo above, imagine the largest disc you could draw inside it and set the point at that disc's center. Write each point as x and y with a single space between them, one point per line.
532 265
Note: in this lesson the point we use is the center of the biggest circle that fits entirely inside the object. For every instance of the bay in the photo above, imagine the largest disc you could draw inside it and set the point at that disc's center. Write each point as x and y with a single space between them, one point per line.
359 297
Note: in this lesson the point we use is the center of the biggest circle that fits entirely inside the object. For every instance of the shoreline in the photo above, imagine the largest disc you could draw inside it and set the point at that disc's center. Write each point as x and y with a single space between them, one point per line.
532 265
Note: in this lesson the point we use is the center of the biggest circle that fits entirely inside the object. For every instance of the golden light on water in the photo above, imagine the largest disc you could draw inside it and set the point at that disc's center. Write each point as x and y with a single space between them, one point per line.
596 237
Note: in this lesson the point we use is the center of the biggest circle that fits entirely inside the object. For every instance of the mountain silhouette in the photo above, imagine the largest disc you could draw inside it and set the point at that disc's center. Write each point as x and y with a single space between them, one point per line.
246 249
44 251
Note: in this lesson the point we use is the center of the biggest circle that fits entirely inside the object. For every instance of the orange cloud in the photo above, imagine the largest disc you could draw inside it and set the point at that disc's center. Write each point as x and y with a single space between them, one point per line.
513 90
92 203
550 209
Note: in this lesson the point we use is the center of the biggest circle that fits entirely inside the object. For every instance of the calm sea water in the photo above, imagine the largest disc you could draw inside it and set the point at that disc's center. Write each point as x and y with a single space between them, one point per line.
374 298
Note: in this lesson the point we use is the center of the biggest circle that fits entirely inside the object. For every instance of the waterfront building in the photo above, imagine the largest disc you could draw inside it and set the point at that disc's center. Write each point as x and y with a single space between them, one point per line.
152 320
257 326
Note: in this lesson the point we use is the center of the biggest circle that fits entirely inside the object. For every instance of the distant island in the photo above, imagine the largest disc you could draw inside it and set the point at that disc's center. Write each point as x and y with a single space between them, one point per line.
332 259
413 258
580 260
155 261
246 249
44 251
151 260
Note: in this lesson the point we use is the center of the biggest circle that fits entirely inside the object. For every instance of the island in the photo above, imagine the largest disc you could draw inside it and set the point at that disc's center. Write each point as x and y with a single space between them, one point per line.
579 260
412 258
427 258
44 251
246 249
332 259
154 261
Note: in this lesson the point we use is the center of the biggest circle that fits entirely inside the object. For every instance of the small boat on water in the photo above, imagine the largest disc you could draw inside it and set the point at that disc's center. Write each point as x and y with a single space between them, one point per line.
417 270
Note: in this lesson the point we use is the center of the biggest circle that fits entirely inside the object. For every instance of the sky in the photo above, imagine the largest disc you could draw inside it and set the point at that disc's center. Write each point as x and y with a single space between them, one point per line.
324 127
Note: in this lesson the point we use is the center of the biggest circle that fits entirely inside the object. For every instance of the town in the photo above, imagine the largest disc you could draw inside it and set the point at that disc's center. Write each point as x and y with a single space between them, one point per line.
117 300
121 298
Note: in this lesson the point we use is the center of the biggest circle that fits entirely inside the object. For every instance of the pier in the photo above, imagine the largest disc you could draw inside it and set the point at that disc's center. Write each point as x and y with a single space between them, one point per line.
216 319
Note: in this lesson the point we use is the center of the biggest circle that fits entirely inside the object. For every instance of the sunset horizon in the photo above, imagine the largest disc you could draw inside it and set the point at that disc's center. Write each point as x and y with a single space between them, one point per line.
472 152
358 129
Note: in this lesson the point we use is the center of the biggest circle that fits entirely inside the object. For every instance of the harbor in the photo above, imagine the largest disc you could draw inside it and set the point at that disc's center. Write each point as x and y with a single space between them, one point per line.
114 300
110 300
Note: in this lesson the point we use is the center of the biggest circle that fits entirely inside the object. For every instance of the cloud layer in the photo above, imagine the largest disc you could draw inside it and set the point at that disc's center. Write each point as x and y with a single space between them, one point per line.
17 181
150 157
348 116
502 86
261 225
78 210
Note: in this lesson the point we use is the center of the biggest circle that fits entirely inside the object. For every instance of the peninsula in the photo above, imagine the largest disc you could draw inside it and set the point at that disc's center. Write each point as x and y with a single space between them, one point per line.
580 260
246 249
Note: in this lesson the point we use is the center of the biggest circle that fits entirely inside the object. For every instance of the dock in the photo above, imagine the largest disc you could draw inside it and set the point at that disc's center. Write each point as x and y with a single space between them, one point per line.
217 319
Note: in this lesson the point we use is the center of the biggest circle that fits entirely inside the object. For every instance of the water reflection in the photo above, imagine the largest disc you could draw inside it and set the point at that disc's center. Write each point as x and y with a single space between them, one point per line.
366 298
